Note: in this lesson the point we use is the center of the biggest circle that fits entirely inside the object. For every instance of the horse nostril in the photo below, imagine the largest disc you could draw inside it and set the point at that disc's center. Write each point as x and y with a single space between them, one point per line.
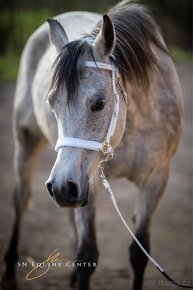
49 189
68 192
72 190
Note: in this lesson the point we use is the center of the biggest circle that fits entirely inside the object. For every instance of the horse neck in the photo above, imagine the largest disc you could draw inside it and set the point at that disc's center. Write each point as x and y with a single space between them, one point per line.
141 105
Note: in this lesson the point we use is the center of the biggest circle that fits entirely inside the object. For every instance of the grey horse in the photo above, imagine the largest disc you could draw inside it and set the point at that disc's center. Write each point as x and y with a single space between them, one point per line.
80 104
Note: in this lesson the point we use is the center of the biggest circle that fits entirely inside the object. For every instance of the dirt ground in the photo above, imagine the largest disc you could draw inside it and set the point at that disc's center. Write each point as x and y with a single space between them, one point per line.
46 227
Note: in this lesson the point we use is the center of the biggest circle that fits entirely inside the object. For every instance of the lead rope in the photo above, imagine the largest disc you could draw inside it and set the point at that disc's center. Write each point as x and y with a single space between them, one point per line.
111 194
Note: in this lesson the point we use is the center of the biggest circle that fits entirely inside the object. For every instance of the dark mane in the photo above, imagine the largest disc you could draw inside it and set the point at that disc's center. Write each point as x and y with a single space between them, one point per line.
135 32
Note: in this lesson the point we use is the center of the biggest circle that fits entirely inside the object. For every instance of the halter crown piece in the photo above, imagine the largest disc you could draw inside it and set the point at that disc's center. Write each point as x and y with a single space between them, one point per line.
105 146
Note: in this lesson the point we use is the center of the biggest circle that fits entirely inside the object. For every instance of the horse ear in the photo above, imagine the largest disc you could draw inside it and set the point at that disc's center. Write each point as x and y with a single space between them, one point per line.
105 40
58 36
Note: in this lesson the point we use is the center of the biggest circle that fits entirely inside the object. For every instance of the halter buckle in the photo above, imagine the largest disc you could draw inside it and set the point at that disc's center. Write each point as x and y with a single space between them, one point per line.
107 150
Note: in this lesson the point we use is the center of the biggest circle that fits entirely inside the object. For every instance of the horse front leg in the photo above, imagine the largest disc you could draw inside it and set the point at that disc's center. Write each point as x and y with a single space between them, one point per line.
87 251
148 200
27 149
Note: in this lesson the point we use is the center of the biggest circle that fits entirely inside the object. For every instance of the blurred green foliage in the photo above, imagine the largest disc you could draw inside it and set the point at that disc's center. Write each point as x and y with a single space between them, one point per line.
180 54
14 37
19 18
25 22
8 67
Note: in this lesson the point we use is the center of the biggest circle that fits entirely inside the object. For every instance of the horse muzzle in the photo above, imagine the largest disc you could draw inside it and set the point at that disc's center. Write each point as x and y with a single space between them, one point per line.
69 194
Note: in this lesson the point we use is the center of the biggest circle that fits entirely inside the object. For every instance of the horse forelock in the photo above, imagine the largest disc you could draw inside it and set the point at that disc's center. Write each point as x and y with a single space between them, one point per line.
69 67
135 32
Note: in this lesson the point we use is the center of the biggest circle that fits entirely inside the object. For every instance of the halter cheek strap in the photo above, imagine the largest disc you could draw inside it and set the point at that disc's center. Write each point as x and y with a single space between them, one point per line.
104 146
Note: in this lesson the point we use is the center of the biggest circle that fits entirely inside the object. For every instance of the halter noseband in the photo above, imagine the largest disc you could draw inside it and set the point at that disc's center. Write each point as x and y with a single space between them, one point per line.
105 146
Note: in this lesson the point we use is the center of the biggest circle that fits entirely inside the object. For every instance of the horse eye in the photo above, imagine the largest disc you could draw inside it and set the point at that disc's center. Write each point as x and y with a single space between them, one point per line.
98 106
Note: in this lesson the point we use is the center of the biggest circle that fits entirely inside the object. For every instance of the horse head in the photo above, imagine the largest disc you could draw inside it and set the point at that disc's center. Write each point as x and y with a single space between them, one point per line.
82 98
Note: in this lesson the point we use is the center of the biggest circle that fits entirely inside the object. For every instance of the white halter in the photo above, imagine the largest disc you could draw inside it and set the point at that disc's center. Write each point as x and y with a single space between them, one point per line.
105 146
